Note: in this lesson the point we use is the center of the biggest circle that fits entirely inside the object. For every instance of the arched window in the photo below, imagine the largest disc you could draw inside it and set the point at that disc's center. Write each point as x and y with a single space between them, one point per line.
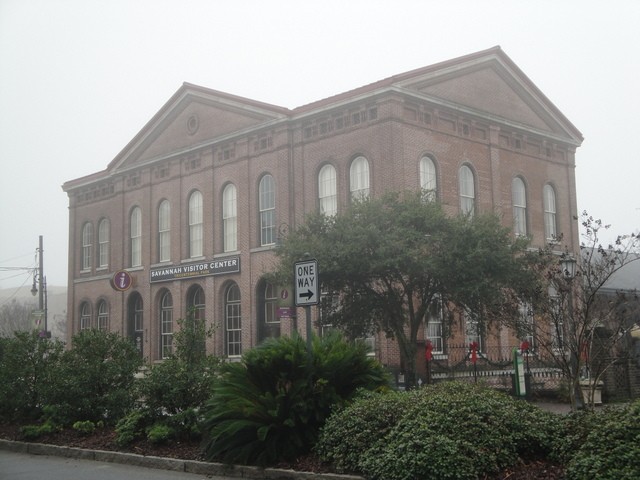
550 222
230 218
269 323
135 320
233 321
166 325
164 231
196 302
428 181
103 243
267 207
359 178
136 237
519 201
103 316
195 225
467 189
327 190
138 316
87 245
85 316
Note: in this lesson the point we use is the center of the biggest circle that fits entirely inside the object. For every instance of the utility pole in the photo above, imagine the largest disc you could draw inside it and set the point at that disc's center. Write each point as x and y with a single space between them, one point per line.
41 288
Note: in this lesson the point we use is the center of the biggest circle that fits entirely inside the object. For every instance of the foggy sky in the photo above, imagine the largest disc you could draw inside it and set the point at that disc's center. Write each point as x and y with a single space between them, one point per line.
80 78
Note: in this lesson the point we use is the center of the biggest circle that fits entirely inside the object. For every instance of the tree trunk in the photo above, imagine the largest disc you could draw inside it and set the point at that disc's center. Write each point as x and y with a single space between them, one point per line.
408 359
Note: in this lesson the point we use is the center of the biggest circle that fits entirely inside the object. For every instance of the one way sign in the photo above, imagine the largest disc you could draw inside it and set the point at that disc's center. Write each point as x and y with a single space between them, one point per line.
306 283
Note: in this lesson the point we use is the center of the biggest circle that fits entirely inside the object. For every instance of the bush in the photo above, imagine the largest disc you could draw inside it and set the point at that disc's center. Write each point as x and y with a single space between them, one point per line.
606 444
96 378
271 406
159 433
173 392
449 430
28 366
87 427
32 432
371 416
131 427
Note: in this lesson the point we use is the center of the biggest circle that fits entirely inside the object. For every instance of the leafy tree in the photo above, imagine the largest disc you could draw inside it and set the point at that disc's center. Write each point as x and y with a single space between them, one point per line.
582 321
391 260
28 366
271 406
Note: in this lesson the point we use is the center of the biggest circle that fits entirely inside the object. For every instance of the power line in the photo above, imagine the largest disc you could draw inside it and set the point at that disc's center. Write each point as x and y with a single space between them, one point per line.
15 292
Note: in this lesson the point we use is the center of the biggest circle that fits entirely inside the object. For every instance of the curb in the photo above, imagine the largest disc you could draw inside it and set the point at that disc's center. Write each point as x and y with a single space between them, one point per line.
172 464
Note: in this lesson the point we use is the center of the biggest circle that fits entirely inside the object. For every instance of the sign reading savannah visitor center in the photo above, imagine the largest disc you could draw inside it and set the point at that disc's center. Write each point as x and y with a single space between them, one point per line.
197 269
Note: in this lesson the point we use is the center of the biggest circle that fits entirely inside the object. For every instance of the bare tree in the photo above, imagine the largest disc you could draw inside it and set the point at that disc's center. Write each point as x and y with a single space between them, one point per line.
16 316
581 320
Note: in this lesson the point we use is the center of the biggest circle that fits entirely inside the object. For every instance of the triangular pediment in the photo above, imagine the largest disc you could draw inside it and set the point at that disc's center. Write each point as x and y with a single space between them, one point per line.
194 116
491 85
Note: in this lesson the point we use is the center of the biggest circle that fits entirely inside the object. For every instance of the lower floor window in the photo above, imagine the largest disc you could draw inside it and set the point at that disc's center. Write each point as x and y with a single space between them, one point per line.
166 326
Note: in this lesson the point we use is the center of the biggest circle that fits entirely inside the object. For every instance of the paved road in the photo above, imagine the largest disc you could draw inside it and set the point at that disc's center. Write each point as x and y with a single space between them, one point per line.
21 466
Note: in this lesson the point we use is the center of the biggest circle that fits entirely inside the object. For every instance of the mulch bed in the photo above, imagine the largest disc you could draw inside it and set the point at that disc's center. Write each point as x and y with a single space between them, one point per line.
104 439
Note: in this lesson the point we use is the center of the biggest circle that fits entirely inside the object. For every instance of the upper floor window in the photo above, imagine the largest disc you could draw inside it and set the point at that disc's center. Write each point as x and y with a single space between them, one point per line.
196 219
233 321
87 245
164 231
359 179
136 237
230 218
550 225
428 181
327 190
267 207
467 189
103 316
85 316
103 243
519 201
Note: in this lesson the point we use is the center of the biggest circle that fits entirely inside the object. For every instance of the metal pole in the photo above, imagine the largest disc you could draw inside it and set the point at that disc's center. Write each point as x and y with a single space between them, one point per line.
307 312
40 279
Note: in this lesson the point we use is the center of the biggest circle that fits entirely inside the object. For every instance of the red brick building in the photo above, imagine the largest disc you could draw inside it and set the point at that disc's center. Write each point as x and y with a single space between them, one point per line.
189 213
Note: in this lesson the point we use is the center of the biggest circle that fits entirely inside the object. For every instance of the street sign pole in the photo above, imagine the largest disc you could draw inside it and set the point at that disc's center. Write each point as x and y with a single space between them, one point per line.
306 291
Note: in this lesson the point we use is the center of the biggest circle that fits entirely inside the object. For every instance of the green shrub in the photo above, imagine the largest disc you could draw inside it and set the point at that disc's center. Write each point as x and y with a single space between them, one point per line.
271 406
28 366
371 416
175 391
607 444
159 433
32 432
449 430
87 427
132 426
96 378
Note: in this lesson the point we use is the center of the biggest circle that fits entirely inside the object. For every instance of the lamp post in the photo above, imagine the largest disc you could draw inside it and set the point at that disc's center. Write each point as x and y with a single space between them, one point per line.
568 265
